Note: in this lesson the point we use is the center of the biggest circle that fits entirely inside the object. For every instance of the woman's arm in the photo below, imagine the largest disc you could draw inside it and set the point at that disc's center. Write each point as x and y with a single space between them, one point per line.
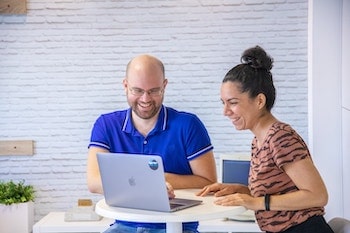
311 192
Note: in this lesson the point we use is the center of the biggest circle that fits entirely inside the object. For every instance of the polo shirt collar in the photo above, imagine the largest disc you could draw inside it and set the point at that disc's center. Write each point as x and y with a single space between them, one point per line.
161 124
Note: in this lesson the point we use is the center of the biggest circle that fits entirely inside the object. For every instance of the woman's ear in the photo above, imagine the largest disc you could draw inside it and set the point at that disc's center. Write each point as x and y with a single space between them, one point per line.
261 100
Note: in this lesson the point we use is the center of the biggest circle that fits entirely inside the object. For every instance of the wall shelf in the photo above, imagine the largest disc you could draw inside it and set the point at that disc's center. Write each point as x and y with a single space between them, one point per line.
16 7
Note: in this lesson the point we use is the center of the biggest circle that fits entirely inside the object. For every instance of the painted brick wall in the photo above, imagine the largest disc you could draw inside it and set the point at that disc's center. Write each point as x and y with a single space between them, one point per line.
62 64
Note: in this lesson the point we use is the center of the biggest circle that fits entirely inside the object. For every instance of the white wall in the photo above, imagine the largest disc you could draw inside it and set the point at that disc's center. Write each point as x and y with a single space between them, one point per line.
329 121
346 105
61 65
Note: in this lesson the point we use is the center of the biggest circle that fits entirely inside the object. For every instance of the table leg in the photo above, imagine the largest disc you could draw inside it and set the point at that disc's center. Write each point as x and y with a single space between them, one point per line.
174 227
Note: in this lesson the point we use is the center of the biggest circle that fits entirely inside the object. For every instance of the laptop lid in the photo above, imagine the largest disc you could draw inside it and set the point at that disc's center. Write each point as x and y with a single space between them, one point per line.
137 181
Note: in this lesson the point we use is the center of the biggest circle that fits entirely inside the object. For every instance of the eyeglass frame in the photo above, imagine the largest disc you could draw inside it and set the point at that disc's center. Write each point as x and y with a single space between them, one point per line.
154 92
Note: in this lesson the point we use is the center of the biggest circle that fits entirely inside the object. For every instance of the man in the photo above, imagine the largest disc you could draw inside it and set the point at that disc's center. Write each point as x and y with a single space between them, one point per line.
148 127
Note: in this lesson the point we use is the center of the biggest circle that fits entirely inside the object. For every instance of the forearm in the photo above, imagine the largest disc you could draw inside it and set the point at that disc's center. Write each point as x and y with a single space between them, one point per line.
94 184
186 181
93 173
291 201
298 200
311 192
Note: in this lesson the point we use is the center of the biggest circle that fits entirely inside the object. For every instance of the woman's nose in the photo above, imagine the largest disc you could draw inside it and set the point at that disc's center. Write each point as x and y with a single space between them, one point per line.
226 111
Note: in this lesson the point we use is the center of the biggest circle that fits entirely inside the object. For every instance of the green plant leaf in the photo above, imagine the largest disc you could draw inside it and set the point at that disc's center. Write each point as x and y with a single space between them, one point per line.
12 193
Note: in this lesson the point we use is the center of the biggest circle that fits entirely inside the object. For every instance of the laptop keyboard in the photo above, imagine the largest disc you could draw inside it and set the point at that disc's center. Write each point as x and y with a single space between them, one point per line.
175 205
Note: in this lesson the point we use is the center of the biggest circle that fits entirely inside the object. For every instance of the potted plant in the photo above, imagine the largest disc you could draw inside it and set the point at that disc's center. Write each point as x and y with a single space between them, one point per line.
16 207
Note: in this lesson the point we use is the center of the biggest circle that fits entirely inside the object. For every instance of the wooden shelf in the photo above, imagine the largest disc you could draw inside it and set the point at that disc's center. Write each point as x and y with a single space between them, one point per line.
16 7
16 147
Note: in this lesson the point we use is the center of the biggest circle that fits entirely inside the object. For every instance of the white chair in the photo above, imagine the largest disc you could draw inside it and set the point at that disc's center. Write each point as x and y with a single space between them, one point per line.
340 225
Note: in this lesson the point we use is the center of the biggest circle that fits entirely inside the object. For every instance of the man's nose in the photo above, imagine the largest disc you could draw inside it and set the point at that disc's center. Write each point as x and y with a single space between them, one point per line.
145 96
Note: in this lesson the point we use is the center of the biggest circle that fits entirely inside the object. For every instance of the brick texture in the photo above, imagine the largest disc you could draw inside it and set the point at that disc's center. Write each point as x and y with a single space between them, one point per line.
62 64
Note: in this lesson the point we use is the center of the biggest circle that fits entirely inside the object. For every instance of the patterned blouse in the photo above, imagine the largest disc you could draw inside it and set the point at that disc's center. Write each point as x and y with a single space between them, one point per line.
282 146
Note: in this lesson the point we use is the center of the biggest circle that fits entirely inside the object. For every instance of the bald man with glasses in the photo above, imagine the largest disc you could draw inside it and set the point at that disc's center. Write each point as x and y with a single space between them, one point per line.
149 127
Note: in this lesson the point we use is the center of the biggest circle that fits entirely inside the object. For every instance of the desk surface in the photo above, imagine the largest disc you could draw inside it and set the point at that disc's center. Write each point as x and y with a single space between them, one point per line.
206 210
54 222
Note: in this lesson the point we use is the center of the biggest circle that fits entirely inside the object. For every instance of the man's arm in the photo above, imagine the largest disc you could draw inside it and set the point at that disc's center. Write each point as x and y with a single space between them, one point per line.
204 173
93 172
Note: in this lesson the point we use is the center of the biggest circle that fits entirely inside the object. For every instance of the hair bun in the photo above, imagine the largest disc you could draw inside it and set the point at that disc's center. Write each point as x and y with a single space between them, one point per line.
257 58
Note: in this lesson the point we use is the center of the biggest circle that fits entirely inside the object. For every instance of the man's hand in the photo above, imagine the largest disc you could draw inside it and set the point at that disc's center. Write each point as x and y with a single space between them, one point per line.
170 189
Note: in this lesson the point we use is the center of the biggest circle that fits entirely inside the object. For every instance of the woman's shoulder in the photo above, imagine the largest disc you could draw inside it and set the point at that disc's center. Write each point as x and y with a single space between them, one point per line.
281 129
283 135
279 125
287 143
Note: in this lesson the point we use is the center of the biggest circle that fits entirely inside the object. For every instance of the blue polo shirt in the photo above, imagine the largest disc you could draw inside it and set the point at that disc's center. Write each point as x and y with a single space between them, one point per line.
178 137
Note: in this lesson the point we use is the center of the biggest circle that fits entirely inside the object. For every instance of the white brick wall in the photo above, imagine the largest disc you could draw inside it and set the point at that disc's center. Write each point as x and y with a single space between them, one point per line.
61 65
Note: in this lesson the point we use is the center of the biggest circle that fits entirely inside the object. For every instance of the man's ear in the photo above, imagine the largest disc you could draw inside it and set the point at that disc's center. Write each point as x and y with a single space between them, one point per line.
165 82
125 84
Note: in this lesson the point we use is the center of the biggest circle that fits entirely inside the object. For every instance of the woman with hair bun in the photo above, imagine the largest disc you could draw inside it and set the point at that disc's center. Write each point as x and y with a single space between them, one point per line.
285 188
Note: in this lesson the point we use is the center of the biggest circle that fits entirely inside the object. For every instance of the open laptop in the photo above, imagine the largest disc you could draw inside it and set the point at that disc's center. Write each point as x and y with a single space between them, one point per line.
137 181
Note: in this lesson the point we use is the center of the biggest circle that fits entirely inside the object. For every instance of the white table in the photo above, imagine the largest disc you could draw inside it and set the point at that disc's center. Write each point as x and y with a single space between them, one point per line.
207 210
54 223
228 226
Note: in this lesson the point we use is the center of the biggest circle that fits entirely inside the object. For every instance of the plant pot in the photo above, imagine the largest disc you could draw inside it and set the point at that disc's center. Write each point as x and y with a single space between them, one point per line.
17 218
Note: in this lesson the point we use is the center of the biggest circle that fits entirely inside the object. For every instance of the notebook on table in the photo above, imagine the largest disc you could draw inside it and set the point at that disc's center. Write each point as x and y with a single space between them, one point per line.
137 181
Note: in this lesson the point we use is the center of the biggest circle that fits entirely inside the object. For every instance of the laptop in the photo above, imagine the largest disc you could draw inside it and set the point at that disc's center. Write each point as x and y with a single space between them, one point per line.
137 181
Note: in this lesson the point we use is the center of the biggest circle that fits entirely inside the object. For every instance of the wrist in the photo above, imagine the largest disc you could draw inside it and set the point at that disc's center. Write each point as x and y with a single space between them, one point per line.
267 202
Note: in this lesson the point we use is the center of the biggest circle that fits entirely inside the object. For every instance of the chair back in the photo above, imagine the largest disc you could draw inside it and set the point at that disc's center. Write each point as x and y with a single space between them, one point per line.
340 225
234 168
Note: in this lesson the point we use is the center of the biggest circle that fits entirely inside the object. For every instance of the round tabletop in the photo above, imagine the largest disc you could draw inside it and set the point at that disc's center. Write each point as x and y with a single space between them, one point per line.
205 211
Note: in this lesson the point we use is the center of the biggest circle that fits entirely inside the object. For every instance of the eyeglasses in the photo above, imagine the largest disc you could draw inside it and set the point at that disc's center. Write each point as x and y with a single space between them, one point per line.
140 92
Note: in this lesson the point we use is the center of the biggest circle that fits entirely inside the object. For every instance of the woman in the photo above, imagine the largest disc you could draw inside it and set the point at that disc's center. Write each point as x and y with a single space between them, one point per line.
285 189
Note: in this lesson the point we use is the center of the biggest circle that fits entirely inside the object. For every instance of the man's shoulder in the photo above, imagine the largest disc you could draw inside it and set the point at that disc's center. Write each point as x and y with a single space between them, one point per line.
184 119
114 116
178 113
115 113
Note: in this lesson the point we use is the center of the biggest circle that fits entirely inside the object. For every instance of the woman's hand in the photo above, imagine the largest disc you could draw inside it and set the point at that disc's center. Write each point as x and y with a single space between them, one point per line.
218 189
240 199
236 199
221 189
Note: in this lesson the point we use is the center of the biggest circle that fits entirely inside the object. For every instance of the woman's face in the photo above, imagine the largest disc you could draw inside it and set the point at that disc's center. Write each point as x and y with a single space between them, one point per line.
243 111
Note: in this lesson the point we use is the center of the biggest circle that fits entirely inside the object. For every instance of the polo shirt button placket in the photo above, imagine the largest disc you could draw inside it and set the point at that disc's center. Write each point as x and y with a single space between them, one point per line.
142 230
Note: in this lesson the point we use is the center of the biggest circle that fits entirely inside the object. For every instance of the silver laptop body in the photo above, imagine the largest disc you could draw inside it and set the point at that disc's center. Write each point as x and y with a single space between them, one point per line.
137 181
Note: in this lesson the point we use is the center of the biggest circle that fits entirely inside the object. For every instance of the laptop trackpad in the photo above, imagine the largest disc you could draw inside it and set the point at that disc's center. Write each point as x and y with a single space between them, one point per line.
179 203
